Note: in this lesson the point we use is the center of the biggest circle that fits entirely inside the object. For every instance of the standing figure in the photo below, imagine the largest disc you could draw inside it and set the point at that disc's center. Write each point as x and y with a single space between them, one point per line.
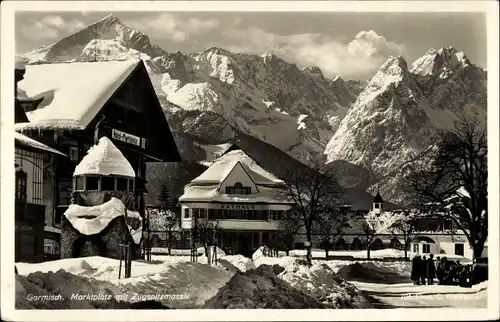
423 269
431 270
415 270
439 270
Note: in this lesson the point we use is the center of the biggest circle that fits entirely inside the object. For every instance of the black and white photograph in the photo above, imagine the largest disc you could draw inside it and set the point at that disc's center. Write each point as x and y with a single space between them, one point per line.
193 156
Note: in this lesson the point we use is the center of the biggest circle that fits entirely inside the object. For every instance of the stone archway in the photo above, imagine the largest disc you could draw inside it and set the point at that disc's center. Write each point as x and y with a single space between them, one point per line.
340 244
377 244
356 244
85 246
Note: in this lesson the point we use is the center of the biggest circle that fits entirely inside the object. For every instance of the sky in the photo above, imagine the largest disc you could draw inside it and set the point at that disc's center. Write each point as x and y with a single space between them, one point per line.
351 45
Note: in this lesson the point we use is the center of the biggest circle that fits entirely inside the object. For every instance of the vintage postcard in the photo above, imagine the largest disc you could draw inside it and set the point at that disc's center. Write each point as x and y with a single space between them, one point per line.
238 160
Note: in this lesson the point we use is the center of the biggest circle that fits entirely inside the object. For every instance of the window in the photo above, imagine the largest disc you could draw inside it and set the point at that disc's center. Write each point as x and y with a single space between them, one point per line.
121 184
211 214
376 205
79 183
426 248
92 183
108 183
203 213
73 153
21 185
448 224
415 248
196 212
238 189
186 212
459 249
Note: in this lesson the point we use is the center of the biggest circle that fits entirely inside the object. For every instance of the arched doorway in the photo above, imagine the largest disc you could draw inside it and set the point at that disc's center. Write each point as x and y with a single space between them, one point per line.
85 246
340 244
356 244
377 244
395 244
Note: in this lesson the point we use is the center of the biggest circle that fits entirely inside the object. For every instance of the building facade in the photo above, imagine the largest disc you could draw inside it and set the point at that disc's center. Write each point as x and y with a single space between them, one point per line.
240 197
31 235
71 105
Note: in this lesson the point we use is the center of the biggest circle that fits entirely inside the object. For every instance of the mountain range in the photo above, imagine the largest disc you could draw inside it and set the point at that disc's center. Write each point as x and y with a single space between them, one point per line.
369 131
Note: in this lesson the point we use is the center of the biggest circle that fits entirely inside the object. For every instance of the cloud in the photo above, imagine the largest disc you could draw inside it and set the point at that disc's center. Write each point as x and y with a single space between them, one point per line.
173 27
50 27
358 58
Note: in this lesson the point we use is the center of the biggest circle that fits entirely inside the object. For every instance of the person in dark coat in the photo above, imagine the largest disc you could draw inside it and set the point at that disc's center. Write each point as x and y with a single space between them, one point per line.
440 269
422 270
415 269
431 270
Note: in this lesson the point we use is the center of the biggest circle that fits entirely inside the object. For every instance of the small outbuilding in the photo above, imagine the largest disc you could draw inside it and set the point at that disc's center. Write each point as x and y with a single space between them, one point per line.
102 214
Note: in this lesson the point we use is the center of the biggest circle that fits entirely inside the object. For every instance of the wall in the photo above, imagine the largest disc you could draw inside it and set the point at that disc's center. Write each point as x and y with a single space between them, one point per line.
238 174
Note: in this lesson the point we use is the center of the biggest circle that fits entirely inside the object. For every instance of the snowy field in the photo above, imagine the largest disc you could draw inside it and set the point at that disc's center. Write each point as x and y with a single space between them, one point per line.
198 285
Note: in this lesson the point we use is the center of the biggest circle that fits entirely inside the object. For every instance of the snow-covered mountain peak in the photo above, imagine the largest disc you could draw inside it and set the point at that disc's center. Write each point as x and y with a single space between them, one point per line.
440 62
313 70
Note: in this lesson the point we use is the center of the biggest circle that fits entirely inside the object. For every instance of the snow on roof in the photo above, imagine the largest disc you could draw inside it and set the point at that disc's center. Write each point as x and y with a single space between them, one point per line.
101 216
104 159
29 142
73 92
211 193
222 166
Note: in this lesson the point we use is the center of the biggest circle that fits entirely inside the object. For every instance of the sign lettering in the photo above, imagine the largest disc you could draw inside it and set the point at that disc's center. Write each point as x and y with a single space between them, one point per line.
128 138
24 228
238 206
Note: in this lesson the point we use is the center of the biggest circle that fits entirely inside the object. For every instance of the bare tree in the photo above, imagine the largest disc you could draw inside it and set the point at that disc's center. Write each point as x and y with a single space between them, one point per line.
373 224
455 185
206 234
403 226
166 221
329 226
314 191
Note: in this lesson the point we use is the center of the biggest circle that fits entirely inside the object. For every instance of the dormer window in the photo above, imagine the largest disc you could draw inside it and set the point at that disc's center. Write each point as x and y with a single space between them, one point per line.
377 206
238 189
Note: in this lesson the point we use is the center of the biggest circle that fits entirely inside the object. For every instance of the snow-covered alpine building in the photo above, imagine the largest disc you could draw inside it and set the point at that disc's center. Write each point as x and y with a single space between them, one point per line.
241 196
100 218
70 105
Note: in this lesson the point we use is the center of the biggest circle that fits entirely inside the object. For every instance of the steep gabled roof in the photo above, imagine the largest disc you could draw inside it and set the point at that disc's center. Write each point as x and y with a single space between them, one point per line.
104 159
73 93
25 141
223 166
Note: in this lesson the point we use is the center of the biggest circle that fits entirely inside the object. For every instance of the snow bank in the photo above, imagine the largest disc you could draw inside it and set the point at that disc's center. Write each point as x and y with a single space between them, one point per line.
241 262
320 281
194 282
281 261
104 159
92 220
260 288
381 253
370 272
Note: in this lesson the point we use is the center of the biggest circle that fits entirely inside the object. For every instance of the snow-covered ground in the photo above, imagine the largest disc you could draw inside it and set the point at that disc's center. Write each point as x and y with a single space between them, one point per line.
198 282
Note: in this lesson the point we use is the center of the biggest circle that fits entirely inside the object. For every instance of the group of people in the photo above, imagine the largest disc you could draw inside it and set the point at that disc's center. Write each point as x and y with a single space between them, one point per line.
424 271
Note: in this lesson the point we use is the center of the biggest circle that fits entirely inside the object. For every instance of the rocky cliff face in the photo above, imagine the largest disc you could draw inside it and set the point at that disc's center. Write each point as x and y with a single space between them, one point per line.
401 112
256 94
366 130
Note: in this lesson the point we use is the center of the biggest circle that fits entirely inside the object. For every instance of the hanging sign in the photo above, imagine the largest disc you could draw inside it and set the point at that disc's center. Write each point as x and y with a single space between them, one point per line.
128 138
